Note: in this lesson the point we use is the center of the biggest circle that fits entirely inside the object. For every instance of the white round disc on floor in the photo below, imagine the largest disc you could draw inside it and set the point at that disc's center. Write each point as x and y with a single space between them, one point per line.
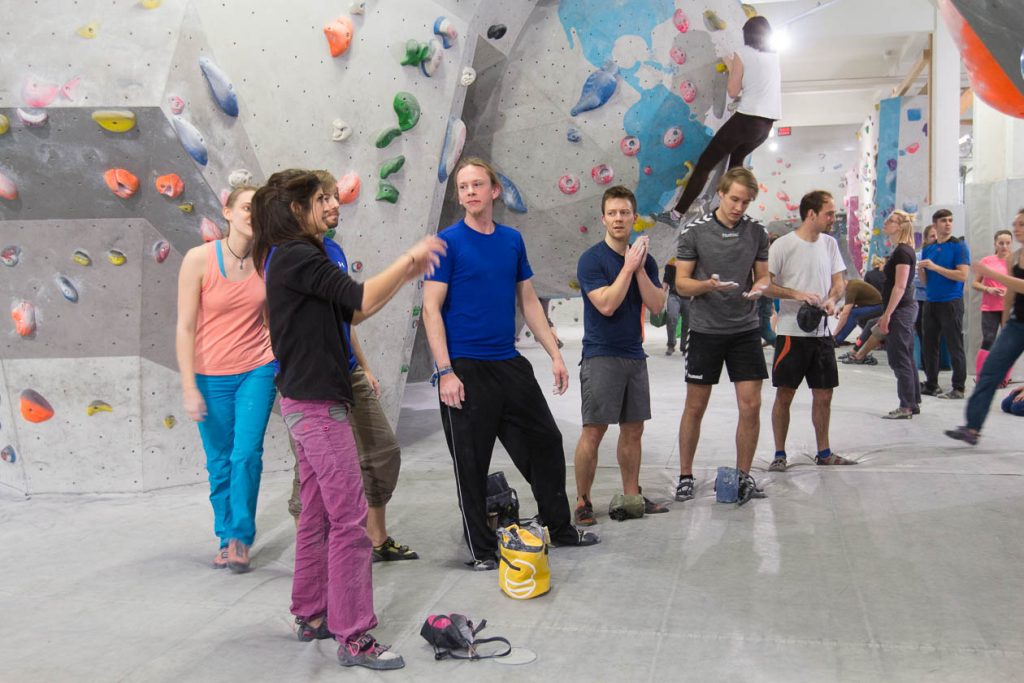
519 655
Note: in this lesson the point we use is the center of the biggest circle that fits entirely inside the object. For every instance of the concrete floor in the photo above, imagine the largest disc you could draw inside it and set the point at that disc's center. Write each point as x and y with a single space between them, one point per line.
904 568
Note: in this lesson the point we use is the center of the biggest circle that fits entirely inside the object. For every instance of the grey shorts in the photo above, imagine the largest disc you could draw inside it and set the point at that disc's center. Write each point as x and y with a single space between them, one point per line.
615 390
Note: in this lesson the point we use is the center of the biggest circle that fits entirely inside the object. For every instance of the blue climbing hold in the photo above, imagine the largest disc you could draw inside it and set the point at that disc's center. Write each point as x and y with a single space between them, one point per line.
597 90
511 195
573 135
220 86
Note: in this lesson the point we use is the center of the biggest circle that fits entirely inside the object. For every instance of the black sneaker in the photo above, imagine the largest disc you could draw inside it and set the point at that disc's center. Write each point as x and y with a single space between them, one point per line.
930 391
366 651
573 535
389 551
306 633
748 489
684 488
965 434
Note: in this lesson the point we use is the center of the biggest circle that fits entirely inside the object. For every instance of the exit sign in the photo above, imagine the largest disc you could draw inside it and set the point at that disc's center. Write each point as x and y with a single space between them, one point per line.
785 131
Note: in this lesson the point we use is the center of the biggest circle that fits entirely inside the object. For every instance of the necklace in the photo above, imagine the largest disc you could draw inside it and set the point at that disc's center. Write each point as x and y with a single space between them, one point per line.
241 259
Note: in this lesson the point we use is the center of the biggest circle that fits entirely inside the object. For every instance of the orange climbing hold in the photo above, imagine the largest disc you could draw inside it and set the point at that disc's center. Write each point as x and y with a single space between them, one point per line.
339 34
348 188
34 407
169 185
121 182
24 316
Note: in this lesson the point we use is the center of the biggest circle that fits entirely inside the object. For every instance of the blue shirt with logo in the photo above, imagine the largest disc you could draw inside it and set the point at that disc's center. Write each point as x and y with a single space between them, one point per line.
948 254
335 253
482 272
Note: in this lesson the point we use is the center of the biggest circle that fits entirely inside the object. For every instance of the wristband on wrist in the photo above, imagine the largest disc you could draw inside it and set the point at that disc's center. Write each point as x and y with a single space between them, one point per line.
439 373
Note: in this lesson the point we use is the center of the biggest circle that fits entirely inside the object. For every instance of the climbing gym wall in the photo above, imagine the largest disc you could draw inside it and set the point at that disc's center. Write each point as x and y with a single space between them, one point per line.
123 126
591 94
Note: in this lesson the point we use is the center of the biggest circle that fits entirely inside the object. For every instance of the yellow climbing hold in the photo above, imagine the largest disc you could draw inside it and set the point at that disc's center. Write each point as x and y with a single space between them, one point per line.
643 223
721 67
89 30
574 285
749 10
5 124
170 421
151 4
115 120
98 407
876 231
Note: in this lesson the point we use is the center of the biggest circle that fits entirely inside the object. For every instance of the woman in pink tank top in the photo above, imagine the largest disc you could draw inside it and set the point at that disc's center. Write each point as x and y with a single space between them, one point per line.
992 293
227 373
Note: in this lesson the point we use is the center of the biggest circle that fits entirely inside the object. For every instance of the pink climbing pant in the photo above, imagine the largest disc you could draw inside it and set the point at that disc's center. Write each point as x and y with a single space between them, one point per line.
333 554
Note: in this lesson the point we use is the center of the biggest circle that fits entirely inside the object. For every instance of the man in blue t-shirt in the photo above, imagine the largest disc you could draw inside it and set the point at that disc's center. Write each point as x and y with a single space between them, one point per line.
944 268
617 280
487 390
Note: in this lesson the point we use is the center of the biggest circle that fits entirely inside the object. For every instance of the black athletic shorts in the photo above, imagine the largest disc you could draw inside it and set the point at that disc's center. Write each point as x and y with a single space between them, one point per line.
740 352
800 358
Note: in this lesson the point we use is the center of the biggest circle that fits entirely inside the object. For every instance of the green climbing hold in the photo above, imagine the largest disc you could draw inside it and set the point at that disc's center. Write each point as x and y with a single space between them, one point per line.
386 192
408 110
391 166
415 52
330 234
385 136
416 310
405 368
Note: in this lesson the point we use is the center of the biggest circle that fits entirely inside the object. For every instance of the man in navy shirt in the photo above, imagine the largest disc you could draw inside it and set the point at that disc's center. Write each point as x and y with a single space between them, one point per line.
487 390
617 280
944 268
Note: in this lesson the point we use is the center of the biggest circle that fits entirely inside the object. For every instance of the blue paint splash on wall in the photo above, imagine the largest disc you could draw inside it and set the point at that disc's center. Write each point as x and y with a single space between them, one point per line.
886 170
597 26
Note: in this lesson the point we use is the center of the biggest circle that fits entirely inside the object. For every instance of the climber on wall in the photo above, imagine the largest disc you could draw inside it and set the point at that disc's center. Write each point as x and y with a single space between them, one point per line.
754 72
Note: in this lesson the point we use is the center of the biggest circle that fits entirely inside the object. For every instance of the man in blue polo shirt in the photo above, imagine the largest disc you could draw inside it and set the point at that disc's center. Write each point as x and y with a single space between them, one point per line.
487 390
944 268
617 280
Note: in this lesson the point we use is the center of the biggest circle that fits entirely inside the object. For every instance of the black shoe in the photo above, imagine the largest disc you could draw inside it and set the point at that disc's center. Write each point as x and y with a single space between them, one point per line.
930 391
573 535
306 633
486 565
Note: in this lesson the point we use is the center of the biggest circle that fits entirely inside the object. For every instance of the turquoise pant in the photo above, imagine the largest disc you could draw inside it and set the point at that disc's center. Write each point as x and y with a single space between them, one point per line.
237 410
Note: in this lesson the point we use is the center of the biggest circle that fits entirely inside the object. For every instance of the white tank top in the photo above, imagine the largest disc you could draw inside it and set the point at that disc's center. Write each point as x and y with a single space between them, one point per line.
762 84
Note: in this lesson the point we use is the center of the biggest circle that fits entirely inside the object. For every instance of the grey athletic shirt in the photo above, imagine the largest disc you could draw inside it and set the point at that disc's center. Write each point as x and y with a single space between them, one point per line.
731 253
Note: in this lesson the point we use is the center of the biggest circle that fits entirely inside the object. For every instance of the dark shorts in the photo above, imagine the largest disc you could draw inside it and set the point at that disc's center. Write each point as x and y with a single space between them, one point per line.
740 352
615 390
800 358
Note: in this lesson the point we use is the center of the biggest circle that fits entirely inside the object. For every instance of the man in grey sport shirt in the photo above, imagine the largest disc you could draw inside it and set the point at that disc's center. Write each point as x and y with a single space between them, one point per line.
722 262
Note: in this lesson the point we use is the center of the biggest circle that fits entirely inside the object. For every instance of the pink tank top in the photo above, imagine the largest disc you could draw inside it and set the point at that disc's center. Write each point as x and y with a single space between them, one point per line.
991 302
231 337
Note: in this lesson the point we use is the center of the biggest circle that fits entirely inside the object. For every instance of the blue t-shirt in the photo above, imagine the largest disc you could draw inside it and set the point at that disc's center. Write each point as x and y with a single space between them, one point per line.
481 271
949 254
619 334
336 255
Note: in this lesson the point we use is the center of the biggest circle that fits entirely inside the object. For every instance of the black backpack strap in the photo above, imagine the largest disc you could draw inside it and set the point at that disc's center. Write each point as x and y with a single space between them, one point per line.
495 639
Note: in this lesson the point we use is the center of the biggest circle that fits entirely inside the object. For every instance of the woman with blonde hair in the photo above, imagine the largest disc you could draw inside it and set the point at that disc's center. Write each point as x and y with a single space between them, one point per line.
899 310
227 376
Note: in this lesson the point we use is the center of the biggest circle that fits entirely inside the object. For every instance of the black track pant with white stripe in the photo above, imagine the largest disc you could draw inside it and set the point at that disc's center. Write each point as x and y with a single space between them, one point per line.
504 402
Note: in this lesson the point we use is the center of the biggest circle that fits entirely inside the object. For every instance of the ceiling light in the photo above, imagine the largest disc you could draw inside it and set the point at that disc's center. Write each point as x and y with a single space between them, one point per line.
780 40
773 146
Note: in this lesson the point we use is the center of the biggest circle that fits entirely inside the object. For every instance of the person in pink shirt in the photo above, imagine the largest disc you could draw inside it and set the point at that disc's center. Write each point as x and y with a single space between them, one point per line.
992 297
227 373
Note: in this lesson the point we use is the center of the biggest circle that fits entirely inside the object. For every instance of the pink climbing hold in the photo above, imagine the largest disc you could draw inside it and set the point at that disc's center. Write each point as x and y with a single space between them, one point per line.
648 170
782 196
177 104
630 145
348 187
209 230
69 89
161 250
602 174
8 190
681 21
224 194
39 93
688 91
912 148
792 207
673 137
357 266
568 184
584 229
677 56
